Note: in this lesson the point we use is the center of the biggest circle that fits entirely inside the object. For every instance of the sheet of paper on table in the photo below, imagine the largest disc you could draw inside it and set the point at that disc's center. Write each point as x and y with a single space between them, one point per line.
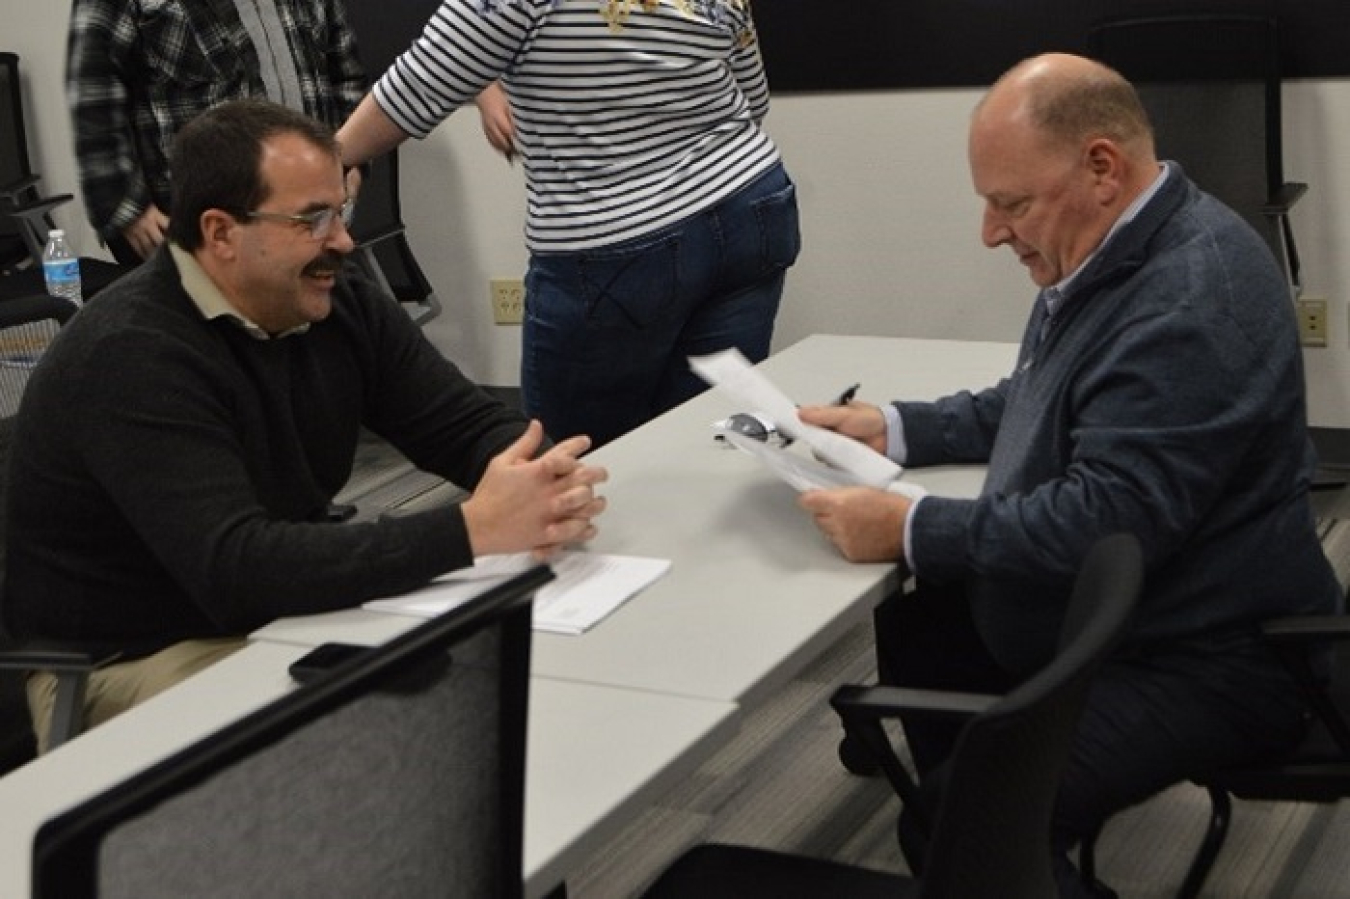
588 587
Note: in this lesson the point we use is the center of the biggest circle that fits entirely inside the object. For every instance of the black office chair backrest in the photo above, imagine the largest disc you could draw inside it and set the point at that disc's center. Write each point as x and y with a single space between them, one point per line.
382 244
1211 86
17 742
399 773
383 31
26 326
14 145
25 212
990 835
14 165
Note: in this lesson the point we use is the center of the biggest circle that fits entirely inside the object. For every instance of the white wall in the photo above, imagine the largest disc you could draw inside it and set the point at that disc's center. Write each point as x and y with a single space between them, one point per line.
890 225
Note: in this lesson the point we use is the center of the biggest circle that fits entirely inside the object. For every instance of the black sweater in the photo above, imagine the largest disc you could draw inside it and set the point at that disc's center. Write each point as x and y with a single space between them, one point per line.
170 474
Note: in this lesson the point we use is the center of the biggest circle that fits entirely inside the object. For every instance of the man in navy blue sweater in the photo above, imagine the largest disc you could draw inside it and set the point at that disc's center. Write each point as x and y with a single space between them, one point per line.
182 439
1159 390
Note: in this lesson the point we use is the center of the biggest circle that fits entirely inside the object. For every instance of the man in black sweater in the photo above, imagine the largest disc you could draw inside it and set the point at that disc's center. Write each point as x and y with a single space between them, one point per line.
181 441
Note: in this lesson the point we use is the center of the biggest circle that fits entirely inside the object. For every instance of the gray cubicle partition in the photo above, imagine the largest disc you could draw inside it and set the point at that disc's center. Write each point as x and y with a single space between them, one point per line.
398 773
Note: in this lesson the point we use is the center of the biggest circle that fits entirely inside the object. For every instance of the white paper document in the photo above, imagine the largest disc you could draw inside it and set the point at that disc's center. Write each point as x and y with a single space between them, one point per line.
733 374
586 588
806 473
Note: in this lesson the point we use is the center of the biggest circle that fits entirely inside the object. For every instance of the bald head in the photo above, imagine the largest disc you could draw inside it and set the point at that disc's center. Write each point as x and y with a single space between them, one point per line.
1068 100
1059 148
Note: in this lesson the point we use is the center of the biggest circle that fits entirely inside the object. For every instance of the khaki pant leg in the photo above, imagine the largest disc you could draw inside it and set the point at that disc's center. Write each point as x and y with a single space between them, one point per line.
115 688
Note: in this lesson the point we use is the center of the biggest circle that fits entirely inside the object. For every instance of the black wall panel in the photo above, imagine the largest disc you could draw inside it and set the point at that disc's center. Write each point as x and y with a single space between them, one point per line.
819 45
385 28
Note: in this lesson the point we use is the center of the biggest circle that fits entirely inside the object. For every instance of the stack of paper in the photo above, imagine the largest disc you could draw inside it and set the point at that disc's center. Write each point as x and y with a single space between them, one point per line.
586 588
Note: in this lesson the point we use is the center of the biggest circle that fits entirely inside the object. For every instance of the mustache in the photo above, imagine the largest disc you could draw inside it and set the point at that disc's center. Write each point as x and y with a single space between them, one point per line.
328 262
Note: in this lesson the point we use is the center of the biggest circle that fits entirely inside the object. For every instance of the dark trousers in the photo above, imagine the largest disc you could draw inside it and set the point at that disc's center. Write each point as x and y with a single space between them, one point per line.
1152 719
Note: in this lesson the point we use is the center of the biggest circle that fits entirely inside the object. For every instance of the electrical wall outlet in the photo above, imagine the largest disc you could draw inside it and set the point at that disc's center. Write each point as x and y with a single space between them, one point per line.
1312 322
508 300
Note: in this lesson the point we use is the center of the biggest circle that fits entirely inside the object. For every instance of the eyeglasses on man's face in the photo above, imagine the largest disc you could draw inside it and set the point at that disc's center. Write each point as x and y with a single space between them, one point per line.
320 221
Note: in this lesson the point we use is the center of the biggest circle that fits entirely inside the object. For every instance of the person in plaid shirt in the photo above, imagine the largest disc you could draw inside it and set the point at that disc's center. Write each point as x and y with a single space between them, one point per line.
137 71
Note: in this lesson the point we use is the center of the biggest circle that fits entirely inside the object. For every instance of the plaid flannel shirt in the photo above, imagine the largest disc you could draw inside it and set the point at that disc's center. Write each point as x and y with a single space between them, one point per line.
138 70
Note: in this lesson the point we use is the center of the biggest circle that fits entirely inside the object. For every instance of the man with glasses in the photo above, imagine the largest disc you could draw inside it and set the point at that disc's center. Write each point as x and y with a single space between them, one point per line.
180 443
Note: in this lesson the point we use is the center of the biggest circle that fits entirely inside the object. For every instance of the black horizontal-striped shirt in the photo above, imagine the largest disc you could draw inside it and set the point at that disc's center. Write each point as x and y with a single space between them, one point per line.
630 116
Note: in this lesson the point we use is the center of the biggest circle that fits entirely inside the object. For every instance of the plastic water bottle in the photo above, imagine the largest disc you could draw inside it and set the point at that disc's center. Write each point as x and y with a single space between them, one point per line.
61 268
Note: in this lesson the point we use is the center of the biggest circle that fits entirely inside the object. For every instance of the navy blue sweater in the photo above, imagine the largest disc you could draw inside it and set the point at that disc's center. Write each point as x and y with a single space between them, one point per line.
1166 400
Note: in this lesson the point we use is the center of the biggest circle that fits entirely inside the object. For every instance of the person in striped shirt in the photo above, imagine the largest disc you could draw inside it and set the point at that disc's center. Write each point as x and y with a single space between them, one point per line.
660 219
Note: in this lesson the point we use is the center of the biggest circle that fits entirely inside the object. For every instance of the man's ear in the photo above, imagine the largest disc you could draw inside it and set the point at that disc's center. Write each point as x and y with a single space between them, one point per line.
1106 163
218 232
1104 158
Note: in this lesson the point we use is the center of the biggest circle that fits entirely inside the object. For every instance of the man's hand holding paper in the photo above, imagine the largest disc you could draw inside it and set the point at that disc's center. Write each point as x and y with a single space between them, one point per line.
861 421
864 525
857 500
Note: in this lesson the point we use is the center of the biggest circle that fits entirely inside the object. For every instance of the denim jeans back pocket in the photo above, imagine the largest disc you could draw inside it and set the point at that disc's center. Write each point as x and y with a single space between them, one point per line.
630 286
779 228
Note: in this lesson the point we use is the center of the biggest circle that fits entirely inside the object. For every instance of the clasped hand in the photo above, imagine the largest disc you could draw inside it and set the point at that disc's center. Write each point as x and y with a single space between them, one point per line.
540 505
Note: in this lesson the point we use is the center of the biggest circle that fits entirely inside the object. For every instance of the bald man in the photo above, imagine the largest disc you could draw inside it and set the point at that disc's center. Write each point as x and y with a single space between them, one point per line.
1158 390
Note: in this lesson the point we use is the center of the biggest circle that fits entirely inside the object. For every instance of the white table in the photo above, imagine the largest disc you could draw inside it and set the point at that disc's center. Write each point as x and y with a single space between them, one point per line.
580 790
619 714
754 592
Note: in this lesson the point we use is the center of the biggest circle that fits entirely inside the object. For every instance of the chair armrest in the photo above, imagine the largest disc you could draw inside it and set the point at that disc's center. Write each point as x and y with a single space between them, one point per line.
1284 198
52 658
35 308
36 208
11 190
1325 691
875 703
863 709
72 668
1307 628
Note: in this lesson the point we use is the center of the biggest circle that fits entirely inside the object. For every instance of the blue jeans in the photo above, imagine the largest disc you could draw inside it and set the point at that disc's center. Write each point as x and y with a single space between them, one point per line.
607 331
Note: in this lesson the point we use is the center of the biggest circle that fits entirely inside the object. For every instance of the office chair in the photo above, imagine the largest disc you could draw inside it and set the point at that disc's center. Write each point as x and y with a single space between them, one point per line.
1211 86
990 831
25 214
26 325
399 772
382 248
23 233
1317 771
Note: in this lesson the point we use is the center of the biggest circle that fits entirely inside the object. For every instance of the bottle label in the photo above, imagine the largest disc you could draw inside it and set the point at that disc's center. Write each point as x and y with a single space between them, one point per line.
62 270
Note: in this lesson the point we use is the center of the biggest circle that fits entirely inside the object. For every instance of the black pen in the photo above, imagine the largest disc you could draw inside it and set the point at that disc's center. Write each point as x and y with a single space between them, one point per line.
847 396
